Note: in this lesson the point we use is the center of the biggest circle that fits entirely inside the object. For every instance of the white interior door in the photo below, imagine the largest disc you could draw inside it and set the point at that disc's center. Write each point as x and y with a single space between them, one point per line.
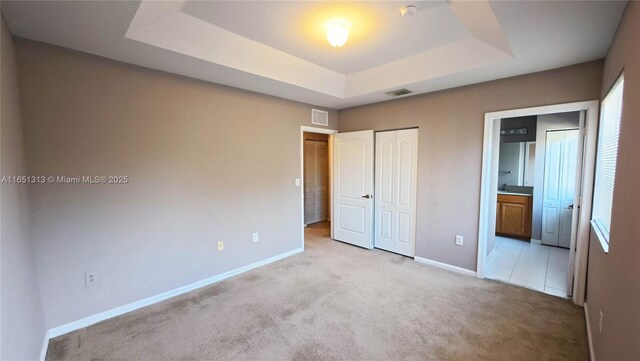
395 183
559 187
352 219
575 219
568 185
315 181
551 190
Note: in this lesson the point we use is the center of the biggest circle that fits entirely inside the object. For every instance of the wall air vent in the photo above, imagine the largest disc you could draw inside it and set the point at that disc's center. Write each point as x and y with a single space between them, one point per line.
398 92
319 117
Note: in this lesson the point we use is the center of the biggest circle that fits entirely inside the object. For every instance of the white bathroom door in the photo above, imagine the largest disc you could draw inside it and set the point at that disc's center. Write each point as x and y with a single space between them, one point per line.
559 187
352 218
395 183
575 220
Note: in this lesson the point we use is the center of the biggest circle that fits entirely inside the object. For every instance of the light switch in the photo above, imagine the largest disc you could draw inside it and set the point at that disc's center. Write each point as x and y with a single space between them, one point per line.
297 182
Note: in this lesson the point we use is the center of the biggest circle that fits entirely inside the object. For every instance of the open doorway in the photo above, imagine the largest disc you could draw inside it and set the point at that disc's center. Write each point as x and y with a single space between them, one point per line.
535 222
315 182
537 170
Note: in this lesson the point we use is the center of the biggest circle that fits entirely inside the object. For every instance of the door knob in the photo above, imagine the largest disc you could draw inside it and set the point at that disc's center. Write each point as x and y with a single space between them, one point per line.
367 196
570 206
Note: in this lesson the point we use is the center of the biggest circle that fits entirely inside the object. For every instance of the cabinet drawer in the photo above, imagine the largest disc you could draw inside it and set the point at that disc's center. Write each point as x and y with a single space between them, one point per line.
508 198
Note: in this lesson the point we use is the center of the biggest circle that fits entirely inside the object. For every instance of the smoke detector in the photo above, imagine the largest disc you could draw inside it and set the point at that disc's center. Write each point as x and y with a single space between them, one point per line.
408 11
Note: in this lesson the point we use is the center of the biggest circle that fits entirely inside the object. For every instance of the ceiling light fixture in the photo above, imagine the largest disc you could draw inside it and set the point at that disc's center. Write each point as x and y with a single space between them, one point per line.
337 34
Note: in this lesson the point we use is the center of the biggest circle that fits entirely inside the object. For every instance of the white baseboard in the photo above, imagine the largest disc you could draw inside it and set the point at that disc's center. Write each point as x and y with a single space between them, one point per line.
592 354
446 266
90 320
45 347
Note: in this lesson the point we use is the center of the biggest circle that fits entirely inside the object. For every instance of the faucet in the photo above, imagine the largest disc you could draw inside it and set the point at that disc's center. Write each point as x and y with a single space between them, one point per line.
503 187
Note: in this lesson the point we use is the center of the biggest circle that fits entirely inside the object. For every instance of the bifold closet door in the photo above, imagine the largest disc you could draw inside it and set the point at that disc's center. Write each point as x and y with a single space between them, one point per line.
352 216
395 196
561 154
316 180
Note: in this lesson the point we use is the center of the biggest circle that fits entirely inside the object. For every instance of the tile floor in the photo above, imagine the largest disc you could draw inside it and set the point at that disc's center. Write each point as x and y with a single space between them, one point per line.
538 267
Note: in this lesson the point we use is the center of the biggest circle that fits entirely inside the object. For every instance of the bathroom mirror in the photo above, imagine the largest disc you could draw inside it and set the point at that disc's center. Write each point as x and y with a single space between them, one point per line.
516 165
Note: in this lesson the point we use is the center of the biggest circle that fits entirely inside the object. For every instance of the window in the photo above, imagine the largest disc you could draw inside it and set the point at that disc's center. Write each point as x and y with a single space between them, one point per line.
608 132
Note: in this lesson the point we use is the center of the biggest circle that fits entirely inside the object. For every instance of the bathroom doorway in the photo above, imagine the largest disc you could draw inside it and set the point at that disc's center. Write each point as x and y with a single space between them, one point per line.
510 251
538 156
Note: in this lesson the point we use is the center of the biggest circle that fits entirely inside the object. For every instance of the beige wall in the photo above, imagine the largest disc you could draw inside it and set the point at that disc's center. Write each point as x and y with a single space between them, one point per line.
202 167
614 278
451 132
22 326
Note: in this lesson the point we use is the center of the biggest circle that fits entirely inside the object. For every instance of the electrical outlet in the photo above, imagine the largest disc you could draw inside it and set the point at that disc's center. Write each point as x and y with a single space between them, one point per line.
255 237
600 322
90 278
459 240
297 182
220 246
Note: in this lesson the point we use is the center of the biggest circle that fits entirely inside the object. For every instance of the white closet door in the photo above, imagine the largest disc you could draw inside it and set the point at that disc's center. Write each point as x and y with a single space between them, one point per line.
352 218
315 181
551 190
559 187
568 185
395 183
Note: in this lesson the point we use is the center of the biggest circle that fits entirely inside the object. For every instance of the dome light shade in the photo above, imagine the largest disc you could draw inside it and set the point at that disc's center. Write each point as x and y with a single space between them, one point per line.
337 34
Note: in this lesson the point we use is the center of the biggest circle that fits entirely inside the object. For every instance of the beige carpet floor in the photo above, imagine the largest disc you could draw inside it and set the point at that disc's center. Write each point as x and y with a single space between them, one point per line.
339 302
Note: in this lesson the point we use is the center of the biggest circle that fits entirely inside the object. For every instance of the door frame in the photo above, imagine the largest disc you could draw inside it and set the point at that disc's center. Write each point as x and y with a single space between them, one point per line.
308 129
489 192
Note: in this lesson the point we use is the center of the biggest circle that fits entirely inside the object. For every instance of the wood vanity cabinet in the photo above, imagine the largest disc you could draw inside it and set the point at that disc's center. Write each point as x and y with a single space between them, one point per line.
513 216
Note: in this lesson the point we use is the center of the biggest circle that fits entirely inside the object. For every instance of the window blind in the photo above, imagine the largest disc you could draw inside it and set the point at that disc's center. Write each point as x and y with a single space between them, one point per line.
608 134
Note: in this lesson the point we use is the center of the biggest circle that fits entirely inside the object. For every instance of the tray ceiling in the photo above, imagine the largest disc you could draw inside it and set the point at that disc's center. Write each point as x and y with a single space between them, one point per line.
279 48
